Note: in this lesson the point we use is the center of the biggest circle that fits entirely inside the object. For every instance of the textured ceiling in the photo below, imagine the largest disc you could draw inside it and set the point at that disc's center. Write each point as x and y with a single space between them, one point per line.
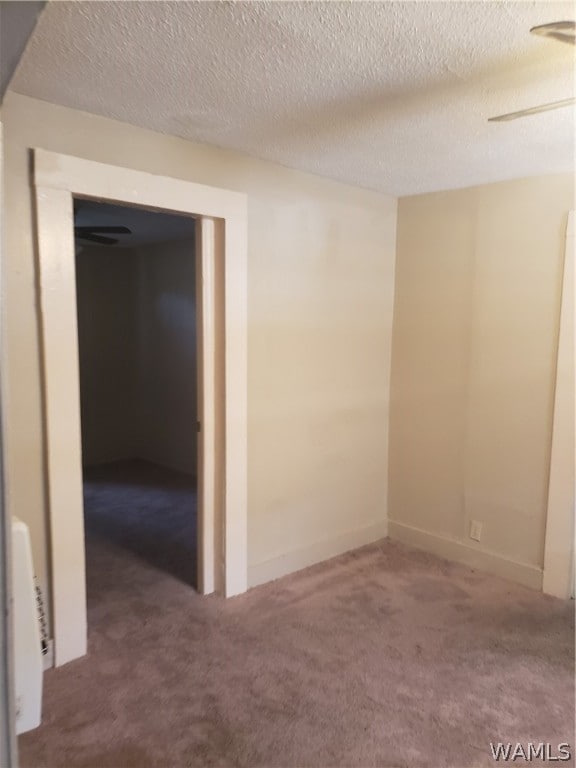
393 96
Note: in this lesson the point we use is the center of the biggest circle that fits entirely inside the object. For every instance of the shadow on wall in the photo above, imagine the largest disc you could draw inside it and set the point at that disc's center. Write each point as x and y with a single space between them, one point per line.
166 365
137 346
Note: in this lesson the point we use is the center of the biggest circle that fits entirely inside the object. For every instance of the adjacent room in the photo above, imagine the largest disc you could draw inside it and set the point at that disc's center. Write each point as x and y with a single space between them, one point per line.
136 307
319 316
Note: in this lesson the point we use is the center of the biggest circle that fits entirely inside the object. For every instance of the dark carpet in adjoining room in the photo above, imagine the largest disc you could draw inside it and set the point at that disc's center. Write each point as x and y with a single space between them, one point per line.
385 656
142 509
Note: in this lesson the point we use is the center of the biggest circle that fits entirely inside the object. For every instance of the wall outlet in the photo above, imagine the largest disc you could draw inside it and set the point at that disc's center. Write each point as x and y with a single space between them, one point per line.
475 530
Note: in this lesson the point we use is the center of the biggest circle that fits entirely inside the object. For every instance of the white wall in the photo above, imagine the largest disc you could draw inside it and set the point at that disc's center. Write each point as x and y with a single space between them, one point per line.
477 307
320 295
137 344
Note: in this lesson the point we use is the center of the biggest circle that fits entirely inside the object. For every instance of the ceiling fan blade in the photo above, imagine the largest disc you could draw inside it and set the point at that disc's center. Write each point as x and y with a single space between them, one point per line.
105 229
533 110
565 31
98 239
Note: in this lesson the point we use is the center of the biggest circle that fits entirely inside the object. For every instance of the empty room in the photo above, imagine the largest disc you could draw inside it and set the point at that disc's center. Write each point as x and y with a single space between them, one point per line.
288 425
136 309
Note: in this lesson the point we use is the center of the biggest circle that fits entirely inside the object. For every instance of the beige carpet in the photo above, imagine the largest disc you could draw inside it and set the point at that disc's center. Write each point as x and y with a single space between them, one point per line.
381 657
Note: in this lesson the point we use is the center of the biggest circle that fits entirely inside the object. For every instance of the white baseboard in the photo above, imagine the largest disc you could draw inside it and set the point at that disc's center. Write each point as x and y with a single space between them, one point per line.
269 570
522 573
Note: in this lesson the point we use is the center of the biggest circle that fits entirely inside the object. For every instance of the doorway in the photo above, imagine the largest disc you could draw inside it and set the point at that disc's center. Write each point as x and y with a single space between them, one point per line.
136 309
221 276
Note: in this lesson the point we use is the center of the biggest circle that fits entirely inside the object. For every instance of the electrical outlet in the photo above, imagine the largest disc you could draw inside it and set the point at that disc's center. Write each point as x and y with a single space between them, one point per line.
475 530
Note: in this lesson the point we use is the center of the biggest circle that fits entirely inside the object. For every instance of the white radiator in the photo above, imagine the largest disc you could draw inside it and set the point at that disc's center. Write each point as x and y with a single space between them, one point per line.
27 644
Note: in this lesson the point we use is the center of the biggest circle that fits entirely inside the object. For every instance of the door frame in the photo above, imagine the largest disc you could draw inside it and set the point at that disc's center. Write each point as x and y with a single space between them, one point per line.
221 259
8 741
559 547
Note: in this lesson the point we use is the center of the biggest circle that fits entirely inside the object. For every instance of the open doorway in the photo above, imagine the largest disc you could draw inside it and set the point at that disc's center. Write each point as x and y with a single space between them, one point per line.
137 316
221 258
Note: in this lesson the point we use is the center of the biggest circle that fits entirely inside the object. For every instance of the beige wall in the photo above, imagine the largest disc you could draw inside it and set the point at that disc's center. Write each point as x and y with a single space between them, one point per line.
166 358
477 302
106 290
320 294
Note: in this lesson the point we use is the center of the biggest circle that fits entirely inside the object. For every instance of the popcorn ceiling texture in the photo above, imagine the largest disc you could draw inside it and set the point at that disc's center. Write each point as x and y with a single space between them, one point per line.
392 96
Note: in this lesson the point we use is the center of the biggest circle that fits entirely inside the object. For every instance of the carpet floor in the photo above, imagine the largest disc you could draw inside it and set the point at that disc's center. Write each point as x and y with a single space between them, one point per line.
385 656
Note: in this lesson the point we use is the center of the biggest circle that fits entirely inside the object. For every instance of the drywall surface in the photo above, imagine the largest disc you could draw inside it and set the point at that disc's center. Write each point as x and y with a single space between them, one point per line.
320 296
106 291
476 321
166 360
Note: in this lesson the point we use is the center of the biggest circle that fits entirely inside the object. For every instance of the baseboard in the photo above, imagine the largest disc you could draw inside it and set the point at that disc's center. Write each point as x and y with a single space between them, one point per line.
182 469
528 575
290 562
